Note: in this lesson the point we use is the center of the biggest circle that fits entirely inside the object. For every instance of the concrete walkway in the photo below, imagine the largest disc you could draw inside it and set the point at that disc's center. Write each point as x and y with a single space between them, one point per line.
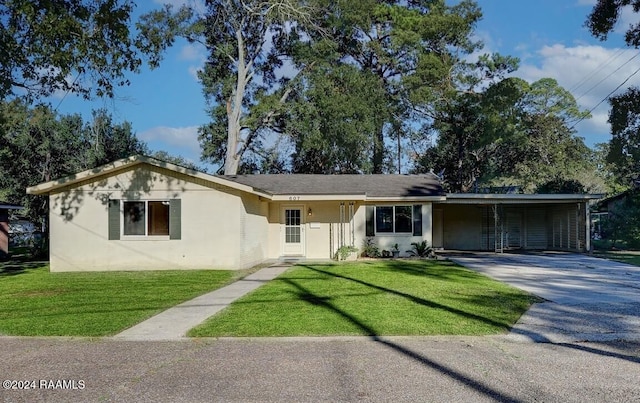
174 323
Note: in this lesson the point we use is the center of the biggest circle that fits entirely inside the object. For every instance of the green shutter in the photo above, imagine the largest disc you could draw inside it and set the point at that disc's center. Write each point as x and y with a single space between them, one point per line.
114 220
370 227
175 220
417 220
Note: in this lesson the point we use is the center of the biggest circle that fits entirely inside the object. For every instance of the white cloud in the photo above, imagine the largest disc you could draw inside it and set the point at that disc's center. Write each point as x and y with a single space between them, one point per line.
590 73
194 53
175 140
627 18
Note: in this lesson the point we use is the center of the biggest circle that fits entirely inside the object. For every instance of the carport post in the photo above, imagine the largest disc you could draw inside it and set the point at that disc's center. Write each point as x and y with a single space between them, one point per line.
587 225
496 218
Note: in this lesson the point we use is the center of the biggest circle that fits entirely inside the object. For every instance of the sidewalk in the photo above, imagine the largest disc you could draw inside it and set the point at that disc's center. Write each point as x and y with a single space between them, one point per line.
174 323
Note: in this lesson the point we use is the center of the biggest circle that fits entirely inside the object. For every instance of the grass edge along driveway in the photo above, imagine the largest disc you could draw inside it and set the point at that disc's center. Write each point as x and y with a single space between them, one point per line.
383 297
35 302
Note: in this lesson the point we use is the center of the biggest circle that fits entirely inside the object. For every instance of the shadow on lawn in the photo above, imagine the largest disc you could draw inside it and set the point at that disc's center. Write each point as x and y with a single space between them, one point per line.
412 298
325 302
19 266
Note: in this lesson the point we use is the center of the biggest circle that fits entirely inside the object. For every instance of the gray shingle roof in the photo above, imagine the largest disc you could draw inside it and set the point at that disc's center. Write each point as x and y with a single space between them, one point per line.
369 185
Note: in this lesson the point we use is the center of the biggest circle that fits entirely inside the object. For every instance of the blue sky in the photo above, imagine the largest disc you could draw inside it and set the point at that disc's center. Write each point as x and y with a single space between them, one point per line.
166 106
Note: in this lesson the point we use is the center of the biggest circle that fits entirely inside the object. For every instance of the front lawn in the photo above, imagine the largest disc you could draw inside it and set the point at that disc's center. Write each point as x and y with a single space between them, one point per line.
34 302
399 297
629 257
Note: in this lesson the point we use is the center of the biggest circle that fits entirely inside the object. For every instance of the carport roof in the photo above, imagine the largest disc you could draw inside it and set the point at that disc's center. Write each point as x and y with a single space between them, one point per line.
490 198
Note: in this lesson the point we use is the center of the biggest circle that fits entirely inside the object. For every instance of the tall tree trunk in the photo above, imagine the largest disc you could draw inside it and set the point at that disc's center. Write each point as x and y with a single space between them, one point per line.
378 151
234 110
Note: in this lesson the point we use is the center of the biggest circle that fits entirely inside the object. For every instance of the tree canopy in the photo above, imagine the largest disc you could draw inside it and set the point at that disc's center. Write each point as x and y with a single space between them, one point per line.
79 46
38 145
623 151
512 133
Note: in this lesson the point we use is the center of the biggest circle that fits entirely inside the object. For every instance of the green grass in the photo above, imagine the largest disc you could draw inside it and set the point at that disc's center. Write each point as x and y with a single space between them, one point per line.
629 257
34 302
397 297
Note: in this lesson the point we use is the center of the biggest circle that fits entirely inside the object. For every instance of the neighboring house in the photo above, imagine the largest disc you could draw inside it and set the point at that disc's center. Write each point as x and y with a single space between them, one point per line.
4 226
621 205
22 232
139 213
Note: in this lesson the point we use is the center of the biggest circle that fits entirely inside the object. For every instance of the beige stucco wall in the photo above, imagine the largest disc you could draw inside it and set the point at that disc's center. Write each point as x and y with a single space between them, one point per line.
220 229
322 230
387 241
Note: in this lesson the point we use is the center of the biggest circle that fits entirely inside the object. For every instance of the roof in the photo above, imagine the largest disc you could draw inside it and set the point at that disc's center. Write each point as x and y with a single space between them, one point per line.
124 164
369 186
604 204
280 186
299 187
490 198
9 206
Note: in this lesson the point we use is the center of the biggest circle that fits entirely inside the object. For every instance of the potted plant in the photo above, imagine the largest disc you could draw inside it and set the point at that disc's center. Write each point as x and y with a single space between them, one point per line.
395 251
347 253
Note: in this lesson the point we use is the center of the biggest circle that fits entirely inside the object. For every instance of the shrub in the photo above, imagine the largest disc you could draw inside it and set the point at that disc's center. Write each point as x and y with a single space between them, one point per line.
344 251
370 249
421 249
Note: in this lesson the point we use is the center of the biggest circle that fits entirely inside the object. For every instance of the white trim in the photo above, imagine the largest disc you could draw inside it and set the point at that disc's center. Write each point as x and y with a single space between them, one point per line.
482 198
394 232
146 236
126 163
322 197
417 199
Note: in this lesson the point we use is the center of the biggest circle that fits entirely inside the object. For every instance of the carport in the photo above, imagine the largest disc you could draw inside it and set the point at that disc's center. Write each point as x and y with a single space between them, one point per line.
499 222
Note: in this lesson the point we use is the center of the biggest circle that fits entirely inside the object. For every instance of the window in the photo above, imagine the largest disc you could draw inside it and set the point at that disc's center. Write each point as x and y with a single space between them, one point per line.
150 218
145 218
292 226
384 219
394 220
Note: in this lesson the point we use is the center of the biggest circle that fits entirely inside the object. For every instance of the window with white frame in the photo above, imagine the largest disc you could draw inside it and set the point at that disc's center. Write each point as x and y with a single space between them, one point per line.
390 219
145 218
394 219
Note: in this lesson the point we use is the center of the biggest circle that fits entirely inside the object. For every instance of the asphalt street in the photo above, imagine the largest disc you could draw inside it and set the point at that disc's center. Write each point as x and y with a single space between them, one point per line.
431 369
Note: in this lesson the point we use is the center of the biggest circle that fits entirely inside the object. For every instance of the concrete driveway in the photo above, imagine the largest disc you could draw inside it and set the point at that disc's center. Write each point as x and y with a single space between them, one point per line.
587 298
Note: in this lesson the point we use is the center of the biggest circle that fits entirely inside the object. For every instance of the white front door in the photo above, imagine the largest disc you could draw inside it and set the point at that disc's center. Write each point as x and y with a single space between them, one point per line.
293 231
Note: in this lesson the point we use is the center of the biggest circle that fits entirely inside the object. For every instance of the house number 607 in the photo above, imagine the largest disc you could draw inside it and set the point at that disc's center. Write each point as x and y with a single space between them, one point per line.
294 198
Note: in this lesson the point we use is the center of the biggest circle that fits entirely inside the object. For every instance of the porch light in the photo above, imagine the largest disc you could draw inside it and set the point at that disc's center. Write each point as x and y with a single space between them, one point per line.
309 212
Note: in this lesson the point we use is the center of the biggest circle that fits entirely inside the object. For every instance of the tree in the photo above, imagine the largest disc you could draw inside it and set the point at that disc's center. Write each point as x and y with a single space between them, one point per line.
624 147
85 47
247 42
37 145
624 153
604 16
332 120
512 133
105 141
411 47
